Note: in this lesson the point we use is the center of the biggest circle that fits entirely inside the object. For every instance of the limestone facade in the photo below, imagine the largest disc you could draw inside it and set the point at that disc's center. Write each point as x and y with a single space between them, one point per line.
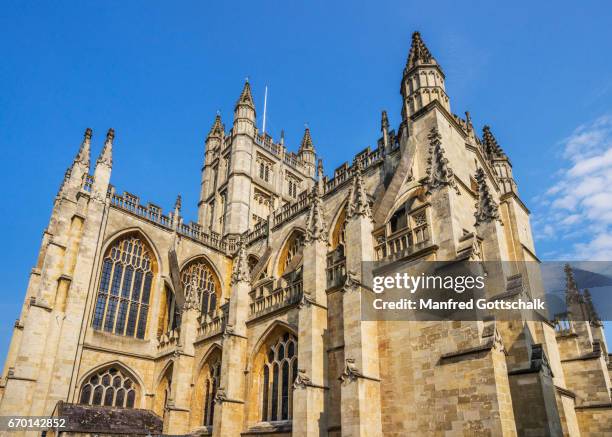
248 321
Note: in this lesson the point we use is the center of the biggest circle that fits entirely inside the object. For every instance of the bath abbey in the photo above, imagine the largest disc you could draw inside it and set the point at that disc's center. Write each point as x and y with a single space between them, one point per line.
248 320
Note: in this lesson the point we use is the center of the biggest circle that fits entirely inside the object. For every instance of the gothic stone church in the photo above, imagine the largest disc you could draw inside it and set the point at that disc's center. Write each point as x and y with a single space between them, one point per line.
248 321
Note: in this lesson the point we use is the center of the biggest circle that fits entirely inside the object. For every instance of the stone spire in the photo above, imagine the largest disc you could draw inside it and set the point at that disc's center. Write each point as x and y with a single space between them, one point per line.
384 128
306 144
590 307
216 131
384 122
439 173
491 148
320 177
468 123
82 156
419 53
422 81
244 113
106 157
358 204
104 166
240 269
246 98
307 153
316 226
572 294
486 208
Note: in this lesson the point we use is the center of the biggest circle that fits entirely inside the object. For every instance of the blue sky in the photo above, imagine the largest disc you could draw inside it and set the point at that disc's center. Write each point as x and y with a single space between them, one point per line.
539 74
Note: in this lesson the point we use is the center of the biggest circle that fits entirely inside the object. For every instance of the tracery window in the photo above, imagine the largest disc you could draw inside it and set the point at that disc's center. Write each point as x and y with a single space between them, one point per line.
295 247
292 186
210 389
264 169
124 292
199 280
278 375
109 387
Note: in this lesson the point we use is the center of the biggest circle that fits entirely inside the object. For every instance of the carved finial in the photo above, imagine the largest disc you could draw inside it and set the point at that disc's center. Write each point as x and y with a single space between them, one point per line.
316 227
282 136
384 122
572 294
358 203
320 169
217 129
489 143
591 310
419 53
106 157
240 269
486 208
178 204
306 144
468 121
246 98
84 151
439 173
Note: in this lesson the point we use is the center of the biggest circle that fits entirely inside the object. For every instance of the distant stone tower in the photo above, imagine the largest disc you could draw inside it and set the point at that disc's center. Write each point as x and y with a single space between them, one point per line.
251 321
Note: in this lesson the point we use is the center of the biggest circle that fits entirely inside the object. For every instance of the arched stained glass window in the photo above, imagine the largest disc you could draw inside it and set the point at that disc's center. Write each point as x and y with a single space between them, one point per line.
278 375
124 293
109 387
199 280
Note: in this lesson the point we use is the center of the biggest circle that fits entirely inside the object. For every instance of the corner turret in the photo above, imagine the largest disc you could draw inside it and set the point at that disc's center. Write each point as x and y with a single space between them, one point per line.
423 80
307 153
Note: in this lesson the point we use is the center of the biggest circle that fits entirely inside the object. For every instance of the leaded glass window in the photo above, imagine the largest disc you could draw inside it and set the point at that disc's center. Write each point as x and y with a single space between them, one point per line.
199 280
109 387
278 375
124 292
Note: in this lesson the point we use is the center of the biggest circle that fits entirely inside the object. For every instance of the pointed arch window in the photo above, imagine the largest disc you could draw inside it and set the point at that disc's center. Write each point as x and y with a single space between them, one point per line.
278 375
124 293
109 387
292 254
199 281
210 391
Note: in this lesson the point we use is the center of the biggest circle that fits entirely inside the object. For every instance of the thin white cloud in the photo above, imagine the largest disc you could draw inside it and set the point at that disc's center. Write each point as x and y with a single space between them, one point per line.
581 199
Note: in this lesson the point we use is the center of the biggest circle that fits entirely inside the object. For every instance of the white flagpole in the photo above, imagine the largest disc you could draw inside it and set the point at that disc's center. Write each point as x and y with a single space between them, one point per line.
265 107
